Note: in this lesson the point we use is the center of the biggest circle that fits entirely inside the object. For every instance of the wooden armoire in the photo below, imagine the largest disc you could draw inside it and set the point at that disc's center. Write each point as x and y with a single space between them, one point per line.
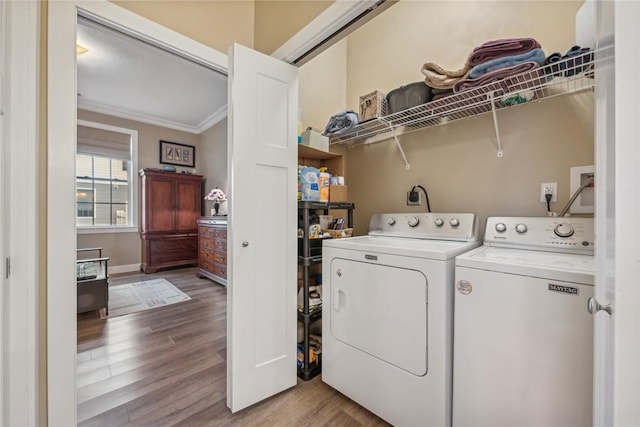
171 205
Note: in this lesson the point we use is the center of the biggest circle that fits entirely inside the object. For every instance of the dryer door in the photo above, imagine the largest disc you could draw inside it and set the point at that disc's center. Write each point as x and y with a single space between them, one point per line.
381 310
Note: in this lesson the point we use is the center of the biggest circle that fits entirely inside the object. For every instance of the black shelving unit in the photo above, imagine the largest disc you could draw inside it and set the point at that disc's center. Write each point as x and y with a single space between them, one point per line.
308 371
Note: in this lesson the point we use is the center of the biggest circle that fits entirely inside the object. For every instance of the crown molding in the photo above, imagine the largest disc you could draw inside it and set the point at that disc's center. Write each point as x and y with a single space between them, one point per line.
214 118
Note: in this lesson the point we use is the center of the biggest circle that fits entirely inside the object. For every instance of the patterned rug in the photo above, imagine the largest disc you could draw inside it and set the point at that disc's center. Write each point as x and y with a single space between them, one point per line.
140 296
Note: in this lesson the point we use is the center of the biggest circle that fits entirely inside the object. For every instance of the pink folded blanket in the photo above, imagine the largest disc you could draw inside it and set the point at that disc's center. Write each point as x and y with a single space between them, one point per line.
503 74
498 48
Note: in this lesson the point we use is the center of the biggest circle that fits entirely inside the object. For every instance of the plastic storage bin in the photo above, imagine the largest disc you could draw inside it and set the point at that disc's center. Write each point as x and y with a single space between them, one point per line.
408 96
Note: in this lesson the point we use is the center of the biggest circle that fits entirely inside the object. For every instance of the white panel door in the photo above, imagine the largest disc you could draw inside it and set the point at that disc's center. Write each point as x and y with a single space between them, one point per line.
605 197
262 246
617 346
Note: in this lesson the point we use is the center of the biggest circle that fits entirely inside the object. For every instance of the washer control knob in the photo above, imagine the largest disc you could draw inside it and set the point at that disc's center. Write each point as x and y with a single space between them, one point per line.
439 222
521 228
391 221
500 227
413 221
454 222
563 230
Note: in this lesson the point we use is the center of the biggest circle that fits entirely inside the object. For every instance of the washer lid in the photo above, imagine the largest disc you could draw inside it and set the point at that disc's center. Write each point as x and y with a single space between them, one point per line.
548 265
418 248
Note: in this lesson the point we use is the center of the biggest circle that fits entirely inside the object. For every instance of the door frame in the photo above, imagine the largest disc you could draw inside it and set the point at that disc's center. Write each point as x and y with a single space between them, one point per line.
20 213
61 138
626 318
61 113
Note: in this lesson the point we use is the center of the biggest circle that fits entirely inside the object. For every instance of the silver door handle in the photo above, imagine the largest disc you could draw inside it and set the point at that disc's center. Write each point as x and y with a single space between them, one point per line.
594 306
245 244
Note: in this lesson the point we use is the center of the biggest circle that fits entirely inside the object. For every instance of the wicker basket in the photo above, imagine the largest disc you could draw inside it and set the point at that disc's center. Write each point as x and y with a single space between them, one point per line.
337 234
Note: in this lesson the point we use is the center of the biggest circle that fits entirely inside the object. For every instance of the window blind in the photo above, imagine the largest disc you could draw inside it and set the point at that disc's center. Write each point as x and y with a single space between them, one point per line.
103 142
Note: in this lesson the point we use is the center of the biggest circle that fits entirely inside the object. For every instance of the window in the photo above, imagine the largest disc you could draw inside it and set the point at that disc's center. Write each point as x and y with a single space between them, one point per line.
105 185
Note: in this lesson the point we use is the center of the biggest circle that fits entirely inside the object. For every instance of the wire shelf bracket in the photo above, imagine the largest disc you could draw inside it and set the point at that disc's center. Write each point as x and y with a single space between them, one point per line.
397 140
490 95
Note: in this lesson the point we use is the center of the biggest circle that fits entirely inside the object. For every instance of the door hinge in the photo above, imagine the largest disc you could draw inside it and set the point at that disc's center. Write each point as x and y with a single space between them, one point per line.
7 267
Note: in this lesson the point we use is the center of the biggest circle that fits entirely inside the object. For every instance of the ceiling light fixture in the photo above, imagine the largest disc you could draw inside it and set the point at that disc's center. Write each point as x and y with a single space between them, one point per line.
81 49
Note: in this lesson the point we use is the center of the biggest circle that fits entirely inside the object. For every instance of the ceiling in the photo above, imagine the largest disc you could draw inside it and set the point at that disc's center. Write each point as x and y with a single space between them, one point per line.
124 77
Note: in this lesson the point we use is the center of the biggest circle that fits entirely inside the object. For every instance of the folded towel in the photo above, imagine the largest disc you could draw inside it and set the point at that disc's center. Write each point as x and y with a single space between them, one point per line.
341 122
554 57
498 48
570 63
438 78
535 55
502 74
580 57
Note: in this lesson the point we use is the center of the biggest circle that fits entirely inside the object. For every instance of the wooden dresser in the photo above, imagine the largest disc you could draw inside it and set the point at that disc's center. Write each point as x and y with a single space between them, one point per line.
212 248
171 205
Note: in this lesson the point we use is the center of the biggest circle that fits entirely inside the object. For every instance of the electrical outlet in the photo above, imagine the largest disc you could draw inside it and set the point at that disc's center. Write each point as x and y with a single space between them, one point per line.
413 198
546 188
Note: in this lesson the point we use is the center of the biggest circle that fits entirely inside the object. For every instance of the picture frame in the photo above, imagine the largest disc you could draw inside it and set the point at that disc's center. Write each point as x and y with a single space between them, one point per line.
174 153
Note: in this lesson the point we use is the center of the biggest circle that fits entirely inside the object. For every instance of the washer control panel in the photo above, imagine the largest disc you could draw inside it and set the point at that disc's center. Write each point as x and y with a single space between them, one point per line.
559 234
442 226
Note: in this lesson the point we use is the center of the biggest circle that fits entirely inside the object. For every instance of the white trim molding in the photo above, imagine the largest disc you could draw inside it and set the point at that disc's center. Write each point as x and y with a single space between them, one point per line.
133 174
62 116
20 311
139 117
334 23
125 268
205 124
216 117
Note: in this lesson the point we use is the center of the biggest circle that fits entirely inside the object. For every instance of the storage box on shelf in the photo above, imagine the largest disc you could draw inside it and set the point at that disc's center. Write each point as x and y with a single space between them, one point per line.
373 105
338 193
315 139
309 355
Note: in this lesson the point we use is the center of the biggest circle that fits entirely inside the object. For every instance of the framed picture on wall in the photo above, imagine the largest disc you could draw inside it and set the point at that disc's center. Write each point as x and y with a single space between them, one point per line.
172 153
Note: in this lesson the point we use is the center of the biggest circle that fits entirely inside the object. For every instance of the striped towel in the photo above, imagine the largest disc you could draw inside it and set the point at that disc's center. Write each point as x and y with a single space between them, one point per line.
439 78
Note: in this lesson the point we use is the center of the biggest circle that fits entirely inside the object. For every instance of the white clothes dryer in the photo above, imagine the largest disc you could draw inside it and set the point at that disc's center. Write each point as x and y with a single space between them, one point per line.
523 338
387 314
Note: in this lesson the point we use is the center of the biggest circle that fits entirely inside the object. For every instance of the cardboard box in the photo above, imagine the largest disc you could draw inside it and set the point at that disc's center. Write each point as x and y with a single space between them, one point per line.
373 105
338 193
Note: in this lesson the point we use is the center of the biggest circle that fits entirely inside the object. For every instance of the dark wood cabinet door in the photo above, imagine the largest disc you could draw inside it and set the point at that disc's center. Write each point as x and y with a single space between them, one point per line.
171 205
189 206
160 204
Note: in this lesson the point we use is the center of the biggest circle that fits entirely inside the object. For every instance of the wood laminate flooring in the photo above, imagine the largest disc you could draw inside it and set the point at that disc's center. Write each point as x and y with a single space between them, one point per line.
167 367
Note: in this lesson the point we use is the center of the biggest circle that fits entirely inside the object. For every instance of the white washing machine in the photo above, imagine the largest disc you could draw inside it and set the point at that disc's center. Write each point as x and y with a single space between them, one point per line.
523 338
387 314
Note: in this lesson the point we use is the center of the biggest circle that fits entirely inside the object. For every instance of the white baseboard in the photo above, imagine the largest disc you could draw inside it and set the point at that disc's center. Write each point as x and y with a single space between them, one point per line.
128 268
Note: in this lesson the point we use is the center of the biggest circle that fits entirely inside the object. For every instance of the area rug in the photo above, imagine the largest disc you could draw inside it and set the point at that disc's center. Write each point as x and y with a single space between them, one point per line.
140 296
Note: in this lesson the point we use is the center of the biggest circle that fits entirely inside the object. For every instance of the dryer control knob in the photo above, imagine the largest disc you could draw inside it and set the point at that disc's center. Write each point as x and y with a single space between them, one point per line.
521 228
500 227
563 230
454 222
438 222
413 221
391 221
